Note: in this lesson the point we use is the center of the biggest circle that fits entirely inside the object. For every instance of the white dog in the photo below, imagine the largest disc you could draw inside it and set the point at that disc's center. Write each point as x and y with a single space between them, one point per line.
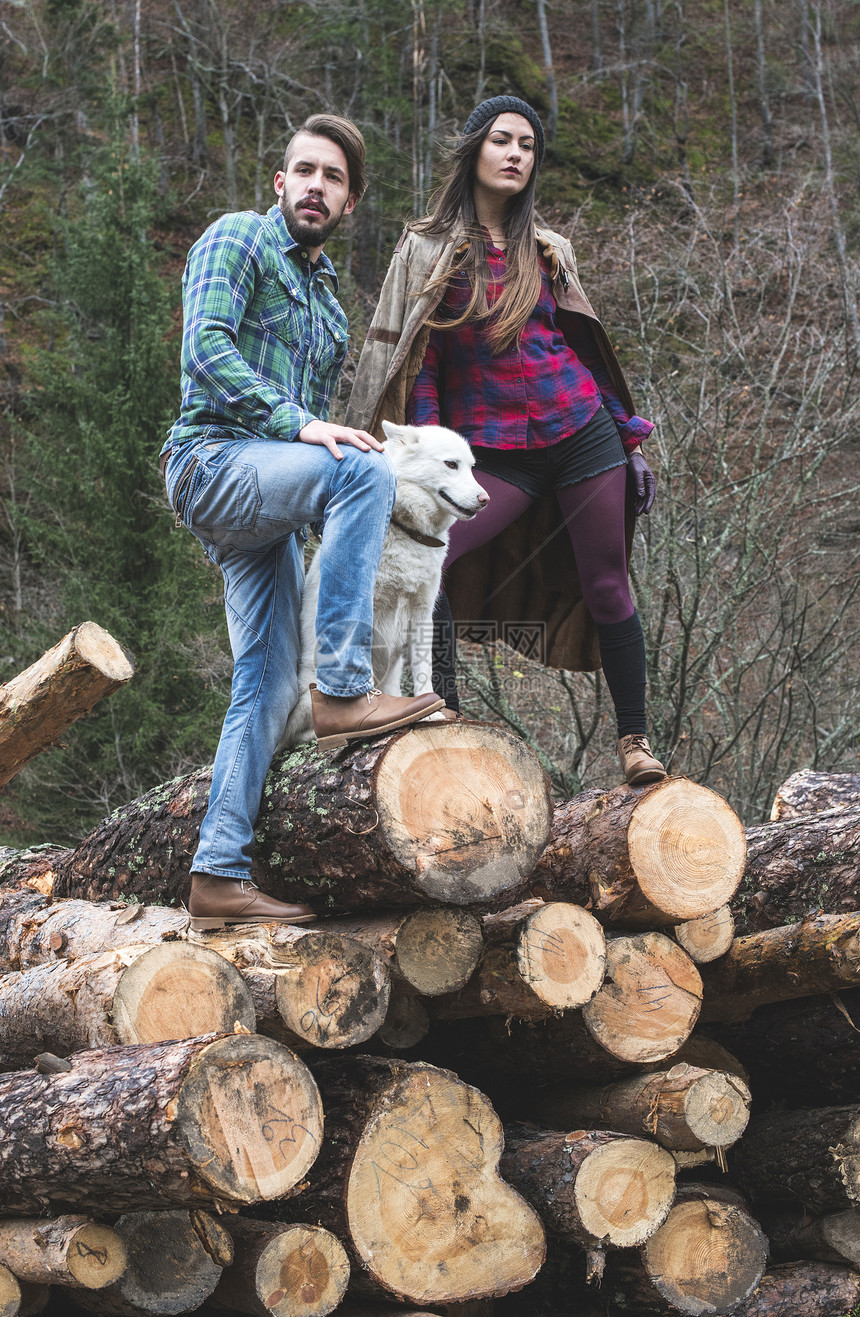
435 488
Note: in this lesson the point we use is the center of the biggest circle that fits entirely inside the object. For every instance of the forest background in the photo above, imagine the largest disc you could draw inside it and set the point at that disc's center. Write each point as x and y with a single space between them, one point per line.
704 158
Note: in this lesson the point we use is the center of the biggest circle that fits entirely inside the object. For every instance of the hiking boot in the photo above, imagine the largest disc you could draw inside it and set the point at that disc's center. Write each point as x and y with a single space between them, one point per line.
337 720
637 762
215 902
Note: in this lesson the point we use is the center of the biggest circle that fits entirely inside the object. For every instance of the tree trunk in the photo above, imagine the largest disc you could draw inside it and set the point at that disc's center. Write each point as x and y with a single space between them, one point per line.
70 1250
288 1271
430 951
219 1121
809 793
683 1108
442 812
136 995
39 704
794 1236
803 1289
36 931
644 856
326 989
807 1157
803 866
796 960
592 1187
408 1179
540 958
707 1257
708 937
174 1263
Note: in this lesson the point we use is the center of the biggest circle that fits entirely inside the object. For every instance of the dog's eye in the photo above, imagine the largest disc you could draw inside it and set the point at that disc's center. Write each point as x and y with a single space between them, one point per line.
452 465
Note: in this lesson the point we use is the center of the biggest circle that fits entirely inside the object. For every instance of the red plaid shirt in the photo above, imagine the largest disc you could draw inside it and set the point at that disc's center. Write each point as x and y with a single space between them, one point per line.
531 395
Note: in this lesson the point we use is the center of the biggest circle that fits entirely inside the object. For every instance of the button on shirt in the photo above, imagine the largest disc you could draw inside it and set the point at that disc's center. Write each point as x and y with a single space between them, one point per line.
264 336
531 395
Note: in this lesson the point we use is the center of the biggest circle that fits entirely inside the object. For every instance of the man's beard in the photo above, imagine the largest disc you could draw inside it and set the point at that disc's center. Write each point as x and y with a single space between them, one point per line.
309 235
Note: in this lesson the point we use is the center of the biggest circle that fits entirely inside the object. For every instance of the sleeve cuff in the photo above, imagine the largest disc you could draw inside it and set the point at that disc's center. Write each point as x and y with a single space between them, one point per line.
634 431
287 420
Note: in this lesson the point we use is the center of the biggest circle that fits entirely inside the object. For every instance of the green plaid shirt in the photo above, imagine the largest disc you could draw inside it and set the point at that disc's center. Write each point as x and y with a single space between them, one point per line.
264 335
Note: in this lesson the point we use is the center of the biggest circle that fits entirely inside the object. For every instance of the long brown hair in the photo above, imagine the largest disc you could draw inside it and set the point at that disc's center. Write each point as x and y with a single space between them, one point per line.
452 208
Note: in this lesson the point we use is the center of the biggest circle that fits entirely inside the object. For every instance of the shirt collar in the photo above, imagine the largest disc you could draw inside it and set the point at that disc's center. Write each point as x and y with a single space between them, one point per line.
288 244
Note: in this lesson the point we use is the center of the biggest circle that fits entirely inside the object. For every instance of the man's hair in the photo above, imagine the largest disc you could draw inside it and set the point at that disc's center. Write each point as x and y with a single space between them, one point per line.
344 134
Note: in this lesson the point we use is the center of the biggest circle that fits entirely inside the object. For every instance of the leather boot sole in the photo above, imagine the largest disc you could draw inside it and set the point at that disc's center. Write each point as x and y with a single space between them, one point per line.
646 775
365 733
199 924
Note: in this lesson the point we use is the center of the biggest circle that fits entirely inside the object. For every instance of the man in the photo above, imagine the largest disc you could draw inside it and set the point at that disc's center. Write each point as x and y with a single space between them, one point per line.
251 459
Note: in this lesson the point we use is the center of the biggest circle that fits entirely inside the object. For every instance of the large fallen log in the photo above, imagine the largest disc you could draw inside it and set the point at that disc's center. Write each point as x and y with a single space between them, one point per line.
429 951
285 1270
439 813
38 705
311 987
408 1180
644 856
35 930
821 954
220 1121
175 1260
684 1108
803 1289
69 1250
135 995
809 793
594 1187
800 867
706 1258
806 1157
540 957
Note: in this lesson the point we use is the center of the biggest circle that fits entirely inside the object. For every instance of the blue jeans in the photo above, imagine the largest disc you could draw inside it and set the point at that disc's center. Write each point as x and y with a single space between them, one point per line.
246 502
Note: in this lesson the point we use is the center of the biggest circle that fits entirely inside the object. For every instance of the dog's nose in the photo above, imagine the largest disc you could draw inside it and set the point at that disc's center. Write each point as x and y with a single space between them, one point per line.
483 497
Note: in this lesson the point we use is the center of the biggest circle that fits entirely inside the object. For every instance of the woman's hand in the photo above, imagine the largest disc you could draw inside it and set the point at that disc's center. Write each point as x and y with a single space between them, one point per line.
646 484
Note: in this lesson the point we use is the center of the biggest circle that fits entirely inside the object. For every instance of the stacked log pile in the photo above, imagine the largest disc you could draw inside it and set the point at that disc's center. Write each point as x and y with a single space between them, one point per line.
506 1074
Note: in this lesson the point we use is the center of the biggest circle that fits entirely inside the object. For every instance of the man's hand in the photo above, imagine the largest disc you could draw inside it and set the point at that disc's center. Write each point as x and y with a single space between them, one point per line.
329 436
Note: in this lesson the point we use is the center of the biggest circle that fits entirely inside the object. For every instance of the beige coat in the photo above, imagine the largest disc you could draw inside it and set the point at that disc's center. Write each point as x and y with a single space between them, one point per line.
522 587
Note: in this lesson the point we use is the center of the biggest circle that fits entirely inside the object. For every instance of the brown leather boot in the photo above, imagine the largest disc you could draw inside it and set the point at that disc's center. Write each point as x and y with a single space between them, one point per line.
337 720
637 762
215 902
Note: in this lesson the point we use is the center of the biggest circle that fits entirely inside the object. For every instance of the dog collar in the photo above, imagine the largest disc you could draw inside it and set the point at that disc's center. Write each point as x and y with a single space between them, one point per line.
420 538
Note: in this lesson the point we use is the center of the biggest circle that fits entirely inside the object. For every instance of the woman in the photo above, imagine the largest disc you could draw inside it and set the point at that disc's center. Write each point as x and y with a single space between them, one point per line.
482 325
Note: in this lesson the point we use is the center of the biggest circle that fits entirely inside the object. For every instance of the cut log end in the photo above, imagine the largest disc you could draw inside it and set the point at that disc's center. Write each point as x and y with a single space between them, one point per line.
650 999
334 993
708 937
406 1023
175 990
469 813
96 647
95 1256
437 950
289 1271
561 955
10 1293
687 848
624 1190
250 1118
717 1109
428 1214
706 1257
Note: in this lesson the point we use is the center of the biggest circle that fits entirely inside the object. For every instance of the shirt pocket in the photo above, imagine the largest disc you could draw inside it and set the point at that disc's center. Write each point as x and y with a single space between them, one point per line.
285 313
332 336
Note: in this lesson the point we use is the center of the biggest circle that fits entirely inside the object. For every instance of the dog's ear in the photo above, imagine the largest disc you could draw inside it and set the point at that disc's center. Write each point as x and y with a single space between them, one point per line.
401 434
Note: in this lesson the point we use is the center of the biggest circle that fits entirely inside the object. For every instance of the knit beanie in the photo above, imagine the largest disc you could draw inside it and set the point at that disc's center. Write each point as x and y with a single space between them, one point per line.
496 105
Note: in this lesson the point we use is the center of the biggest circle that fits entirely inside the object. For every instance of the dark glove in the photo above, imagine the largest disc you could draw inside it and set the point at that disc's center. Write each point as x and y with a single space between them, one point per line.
646 485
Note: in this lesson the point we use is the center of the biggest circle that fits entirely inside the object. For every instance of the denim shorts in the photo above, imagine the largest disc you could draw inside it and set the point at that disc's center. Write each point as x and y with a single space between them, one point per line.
596 448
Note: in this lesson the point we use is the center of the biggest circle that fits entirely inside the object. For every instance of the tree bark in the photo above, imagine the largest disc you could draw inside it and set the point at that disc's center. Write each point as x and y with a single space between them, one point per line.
803 1289
220 1121
682 1108
135 995
70 1250
39 704
593 1187
795 1236
429 951
707 1257
174 1263
708 937
808 1157
326 989
444 812
647 856
10 1294
32 868
796 960
34 930
539 958
408 1179
806 865
809 793
286 1270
